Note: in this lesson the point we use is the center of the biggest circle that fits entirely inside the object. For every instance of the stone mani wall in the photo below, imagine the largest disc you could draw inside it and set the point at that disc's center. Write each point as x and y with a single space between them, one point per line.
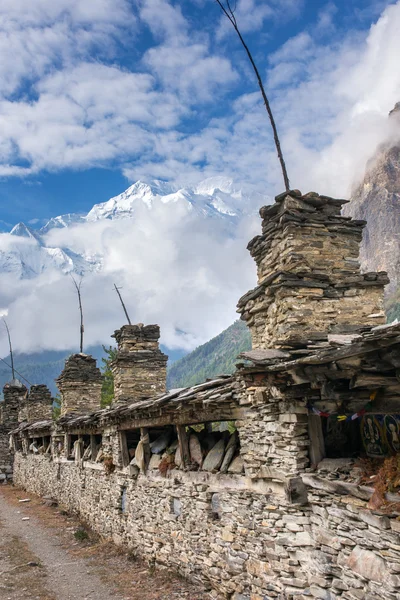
140 368
269 533
247 544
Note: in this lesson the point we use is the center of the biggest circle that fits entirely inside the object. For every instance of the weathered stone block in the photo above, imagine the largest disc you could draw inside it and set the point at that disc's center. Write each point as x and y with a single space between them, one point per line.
367 564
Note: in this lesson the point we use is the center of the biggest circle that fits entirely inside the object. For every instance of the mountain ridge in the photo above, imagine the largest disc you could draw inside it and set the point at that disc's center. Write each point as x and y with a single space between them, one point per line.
33 253
377 200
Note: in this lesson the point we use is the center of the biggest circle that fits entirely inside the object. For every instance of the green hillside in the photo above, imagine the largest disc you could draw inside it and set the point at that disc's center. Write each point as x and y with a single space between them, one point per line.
212 358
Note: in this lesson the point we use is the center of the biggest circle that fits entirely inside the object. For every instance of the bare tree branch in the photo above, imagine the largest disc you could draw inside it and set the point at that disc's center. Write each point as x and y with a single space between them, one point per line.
229 12
82 328
122 302
11 350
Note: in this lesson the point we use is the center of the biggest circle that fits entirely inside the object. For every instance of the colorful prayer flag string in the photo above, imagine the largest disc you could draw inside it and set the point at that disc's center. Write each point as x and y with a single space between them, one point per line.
360 413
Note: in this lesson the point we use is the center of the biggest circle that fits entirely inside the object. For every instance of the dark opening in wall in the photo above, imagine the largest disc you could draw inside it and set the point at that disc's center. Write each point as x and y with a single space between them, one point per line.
71 446
46 442
213 447
35 445
342 438
58 445
129 440
95 445
18 446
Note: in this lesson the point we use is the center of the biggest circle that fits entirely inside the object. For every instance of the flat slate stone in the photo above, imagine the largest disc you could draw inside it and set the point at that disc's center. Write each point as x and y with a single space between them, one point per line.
195 450
236 466
178 458
161 443
264 355
214 458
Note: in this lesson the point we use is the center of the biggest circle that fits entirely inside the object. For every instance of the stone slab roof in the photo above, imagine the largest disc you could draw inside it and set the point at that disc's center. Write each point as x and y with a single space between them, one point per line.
212 394
337 347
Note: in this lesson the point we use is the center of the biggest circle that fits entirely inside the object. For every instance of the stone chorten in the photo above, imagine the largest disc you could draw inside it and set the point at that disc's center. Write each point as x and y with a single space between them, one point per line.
140 368
39 403
80 385
15 394
309 279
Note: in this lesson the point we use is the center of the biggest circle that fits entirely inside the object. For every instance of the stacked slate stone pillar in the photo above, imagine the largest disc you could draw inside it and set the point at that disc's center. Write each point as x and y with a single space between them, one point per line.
80 385
39 403
14 394
140 368
309 286
309 280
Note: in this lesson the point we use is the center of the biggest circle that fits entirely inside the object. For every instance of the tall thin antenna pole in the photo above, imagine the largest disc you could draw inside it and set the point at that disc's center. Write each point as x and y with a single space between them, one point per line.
229 12
82 328
11 350
17 372
123 305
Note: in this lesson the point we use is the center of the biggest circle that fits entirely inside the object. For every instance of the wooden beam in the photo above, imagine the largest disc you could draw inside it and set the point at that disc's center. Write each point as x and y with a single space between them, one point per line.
124 449
183 444
67 445
317 443
145 439
186 418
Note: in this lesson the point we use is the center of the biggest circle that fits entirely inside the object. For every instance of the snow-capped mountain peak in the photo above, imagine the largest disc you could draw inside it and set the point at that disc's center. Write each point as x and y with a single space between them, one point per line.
209 186
212 197
22 230
215 197
61 222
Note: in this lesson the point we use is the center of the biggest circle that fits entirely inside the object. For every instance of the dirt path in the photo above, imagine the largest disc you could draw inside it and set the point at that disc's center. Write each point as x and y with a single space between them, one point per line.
41 559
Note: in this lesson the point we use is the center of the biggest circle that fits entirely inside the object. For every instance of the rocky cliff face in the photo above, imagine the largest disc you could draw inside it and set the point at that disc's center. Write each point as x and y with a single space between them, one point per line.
377 200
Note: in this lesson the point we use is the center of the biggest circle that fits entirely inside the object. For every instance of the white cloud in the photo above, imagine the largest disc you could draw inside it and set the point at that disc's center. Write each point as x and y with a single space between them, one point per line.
83 116
36 37
251 14
330 101
164 19
164 260
331 97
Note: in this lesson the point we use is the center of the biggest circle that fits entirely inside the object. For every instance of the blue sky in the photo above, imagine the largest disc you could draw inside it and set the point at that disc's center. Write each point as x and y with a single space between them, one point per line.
96 94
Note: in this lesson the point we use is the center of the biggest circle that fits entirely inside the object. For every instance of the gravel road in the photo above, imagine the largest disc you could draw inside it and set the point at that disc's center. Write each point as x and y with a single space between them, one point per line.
40 559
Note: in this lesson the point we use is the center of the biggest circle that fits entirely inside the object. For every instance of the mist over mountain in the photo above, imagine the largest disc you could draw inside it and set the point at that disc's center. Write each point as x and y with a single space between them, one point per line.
178 253
377 200
31 251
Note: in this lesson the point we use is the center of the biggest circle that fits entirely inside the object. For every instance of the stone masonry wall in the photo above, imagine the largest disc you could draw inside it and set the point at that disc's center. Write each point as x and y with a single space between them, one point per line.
80 385
246 544
273 430
140 368
309 280
39 403
14 394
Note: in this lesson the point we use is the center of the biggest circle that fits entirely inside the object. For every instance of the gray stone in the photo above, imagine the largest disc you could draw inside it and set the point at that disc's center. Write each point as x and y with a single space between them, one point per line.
161 443
214 458
154 461
367 564
229 453
237 465
196 454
